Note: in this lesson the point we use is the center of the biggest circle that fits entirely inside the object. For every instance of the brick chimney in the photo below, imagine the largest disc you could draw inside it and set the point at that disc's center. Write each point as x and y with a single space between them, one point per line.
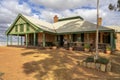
99 21
55 18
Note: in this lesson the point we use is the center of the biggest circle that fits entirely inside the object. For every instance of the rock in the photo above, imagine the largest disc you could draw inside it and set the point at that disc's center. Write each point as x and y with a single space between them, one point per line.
108 69
93 65
97 65
81 62
89 65
84 64
103 67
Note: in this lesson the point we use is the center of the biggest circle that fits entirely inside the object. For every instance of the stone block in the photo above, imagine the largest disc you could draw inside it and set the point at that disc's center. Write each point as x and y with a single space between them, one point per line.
108 68
93 65
81 62
97 65
89 65
103 67
84 64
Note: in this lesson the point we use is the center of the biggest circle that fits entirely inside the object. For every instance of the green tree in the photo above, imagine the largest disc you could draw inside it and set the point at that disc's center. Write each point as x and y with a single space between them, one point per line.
114 7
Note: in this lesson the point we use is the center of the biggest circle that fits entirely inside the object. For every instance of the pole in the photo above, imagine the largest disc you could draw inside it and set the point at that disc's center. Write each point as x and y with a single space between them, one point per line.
97 31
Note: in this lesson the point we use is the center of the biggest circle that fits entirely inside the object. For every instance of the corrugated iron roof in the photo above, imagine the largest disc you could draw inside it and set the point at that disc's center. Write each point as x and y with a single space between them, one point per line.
116 28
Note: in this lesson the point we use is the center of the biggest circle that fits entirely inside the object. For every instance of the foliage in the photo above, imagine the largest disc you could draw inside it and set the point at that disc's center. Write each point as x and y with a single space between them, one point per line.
115 7
90 59
108 47
102 60
87 45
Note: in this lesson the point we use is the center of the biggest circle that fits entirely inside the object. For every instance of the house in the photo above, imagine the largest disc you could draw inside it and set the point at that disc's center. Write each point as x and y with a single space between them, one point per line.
75 30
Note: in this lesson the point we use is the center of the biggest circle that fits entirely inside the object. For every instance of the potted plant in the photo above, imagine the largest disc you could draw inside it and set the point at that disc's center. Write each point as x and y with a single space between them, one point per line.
86 47
108 49
70 48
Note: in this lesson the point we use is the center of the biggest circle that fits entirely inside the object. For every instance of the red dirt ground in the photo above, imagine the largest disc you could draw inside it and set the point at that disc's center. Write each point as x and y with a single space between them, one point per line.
49 64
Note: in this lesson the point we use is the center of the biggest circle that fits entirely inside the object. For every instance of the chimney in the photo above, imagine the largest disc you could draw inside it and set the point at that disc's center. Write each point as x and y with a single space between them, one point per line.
55 19
99 21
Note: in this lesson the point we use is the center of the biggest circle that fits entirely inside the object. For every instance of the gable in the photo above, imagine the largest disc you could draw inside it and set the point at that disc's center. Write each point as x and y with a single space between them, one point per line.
22 26
20 21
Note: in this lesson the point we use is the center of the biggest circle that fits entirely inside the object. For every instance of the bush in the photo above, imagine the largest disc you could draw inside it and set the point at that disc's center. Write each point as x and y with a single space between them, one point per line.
102 60
87 45
108 47
90 59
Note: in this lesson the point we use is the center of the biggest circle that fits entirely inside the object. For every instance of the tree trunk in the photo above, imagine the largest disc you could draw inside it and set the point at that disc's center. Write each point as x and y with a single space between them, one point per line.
97 31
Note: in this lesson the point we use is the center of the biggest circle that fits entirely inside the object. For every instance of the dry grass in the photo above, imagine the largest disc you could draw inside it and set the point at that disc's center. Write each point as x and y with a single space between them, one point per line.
35 64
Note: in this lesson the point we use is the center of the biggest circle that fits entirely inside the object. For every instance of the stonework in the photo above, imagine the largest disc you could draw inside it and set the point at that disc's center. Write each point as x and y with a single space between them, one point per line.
118 41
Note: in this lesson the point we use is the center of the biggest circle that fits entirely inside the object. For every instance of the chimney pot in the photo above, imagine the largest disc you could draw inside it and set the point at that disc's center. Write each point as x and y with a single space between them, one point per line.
100 21
55 18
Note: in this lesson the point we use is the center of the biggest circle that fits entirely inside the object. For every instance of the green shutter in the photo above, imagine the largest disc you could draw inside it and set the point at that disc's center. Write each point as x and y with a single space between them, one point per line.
21 27
28 27
16 28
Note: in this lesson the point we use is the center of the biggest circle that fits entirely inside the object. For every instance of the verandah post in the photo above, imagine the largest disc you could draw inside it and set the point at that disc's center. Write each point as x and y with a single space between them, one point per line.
26 40
111 41
34 39
7 40
18 38
21 40
10 39
43 39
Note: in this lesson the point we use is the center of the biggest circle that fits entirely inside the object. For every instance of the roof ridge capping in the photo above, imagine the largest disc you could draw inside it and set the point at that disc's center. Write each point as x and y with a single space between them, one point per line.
70 18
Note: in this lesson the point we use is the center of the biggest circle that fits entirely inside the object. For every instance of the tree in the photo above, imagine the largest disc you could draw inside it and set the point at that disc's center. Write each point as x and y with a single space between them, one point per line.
114 7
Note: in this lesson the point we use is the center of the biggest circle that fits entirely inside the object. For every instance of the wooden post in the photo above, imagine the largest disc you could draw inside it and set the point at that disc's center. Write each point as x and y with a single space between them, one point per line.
34 39
21 40
18 38
112 41
26 40
10 39
7 40
43 39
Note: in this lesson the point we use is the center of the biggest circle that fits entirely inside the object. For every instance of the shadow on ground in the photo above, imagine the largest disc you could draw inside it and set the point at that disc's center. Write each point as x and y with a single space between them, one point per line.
62 65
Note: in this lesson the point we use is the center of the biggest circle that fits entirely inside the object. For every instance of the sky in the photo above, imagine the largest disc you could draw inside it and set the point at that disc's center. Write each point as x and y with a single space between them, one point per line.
46 9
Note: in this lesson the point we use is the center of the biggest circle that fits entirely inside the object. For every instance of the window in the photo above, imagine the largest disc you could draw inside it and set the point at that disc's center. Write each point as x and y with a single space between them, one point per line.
16 28
21 28
28 27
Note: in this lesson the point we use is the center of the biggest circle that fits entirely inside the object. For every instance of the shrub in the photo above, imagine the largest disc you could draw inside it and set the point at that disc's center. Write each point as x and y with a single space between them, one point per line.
87 45
102 60
108 47
90 59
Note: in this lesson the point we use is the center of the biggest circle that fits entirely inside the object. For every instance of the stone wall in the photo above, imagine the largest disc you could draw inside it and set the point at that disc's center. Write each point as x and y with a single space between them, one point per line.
118 41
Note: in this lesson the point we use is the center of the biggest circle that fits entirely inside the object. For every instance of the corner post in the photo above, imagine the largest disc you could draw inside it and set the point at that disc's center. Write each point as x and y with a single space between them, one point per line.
111 41
18 38
7 40
10 39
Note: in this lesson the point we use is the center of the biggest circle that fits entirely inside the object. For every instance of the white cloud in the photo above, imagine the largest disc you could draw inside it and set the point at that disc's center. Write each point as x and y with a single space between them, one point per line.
64 4
10 9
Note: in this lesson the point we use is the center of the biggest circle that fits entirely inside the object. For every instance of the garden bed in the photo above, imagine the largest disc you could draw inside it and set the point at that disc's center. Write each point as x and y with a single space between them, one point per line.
102 64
